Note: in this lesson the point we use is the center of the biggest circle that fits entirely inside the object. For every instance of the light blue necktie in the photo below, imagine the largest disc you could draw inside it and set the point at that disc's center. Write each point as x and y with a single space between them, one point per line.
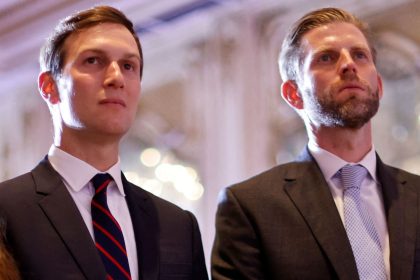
360 229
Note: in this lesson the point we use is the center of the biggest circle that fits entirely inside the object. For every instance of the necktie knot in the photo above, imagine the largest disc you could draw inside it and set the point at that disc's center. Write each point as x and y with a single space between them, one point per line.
352 176
100 181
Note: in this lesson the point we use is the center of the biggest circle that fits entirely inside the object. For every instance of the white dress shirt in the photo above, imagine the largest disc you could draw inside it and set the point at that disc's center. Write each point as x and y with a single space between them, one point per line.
76 175
370 191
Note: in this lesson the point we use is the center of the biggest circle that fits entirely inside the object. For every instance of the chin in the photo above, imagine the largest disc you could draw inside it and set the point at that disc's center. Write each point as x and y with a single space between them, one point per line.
116 130
113 129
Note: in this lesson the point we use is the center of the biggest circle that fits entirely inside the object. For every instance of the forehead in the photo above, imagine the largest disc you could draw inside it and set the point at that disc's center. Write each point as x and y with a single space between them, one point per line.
333 35
107 37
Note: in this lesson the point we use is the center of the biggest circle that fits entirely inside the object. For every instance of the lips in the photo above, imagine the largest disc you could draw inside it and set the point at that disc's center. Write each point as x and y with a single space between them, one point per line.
112 101
352 86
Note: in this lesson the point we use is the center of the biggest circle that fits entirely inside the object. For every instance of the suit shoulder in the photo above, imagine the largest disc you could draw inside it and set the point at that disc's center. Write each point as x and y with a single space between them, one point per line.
402 174
16 192
17 184
267 178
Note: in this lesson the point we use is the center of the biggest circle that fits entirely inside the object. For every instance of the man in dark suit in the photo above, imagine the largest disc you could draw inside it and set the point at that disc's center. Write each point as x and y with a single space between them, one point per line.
61 223
337 212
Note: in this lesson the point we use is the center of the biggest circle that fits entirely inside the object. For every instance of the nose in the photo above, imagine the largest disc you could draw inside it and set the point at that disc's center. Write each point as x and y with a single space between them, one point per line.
347 64
114 77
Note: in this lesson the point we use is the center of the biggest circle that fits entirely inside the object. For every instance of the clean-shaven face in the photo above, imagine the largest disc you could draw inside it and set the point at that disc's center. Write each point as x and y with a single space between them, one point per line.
100 83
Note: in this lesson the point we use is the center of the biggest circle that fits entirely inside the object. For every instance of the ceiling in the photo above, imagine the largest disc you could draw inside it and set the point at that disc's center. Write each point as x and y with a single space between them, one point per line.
31 20
24 24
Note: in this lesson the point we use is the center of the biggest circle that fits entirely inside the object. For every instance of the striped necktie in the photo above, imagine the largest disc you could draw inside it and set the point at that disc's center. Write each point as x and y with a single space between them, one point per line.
359 226
109 239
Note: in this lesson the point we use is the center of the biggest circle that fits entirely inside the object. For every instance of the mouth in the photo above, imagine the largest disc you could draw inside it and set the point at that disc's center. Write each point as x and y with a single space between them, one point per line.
112 101
352 86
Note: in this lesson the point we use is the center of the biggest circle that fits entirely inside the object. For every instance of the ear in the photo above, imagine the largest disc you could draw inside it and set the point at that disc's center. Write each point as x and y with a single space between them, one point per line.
380 86
290 93
48 88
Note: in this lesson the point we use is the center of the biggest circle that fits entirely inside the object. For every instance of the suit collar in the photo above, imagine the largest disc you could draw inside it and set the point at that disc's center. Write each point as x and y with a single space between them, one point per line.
330 163
64 216
144 217
400 201
309 191
77 173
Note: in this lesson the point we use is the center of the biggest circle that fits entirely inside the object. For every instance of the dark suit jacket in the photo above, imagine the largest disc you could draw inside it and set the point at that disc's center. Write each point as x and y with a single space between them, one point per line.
50 240
283 224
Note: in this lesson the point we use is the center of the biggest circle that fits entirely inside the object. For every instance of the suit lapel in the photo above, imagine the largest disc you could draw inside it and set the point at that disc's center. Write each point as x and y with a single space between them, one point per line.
64 216
400 201
309 191
146 229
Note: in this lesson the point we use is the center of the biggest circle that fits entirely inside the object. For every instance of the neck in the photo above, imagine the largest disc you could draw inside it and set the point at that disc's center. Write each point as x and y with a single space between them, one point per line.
349 144
100 152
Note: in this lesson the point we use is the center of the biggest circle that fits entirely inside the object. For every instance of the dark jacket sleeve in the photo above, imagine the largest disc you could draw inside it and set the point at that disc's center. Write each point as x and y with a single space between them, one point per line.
199 263
236 254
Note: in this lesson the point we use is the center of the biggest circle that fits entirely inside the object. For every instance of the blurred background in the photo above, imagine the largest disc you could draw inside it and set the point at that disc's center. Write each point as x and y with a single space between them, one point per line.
210 113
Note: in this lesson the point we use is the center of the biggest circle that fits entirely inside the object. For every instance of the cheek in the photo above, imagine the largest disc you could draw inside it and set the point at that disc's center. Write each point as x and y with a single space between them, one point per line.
370 75
134 90
82 97
78 97
66 90
134 103
133 97
374 81
64 85
312 84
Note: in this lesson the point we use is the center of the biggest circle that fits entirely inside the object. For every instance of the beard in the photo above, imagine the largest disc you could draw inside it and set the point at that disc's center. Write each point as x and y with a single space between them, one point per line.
353 112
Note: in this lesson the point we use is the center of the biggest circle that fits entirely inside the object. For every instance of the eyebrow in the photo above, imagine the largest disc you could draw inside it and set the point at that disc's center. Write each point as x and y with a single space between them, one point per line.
101 52
323 49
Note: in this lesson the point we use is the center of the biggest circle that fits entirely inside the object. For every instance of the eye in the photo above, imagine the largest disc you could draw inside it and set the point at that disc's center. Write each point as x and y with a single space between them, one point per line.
92 60
325 57
360 55
128 66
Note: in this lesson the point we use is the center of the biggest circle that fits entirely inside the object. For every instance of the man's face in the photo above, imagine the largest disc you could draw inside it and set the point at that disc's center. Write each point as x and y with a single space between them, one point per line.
338 81
100 83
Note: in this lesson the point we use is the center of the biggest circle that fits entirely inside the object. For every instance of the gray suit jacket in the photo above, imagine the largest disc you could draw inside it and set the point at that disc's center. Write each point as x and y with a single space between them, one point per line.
50 240
283 224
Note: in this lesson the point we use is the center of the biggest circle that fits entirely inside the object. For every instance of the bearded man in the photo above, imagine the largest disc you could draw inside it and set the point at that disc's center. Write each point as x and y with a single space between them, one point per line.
337 212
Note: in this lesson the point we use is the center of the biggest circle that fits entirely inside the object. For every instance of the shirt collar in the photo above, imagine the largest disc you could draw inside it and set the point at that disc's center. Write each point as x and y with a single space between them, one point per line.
330 163
78 173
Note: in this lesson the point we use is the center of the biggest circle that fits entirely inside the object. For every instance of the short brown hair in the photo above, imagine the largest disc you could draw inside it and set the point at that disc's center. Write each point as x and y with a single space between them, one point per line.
290 54
53 53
